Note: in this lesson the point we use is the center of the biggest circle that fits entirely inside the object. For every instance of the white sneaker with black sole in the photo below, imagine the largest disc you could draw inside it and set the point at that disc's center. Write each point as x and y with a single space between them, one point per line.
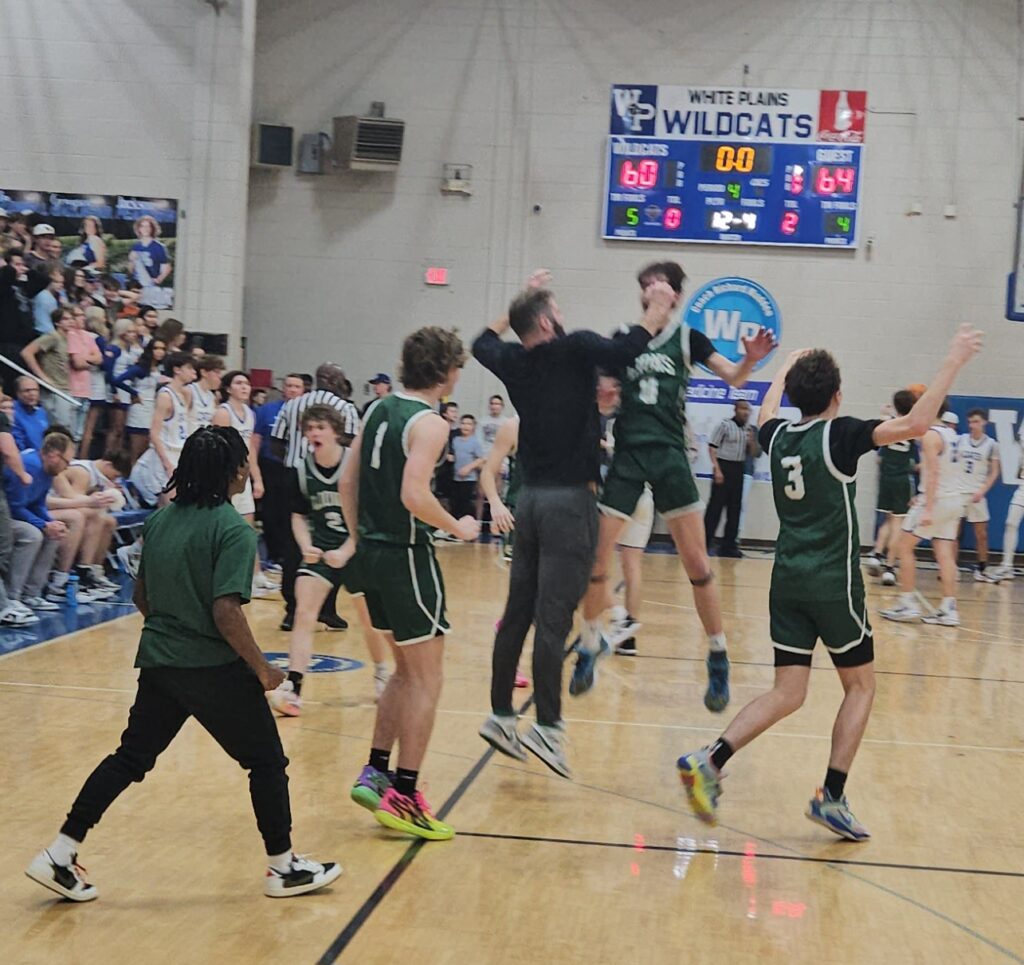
548 743
302 877
501 734
986 576
66 880
943 618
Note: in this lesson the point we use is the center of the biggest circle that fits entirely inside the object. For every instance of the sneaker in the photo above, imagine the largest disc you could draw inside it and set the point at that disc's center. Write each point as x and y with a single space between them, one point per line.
716 697
506 553
446 537
548 743
730 552
521 680
67 880
287 622
381 676
285 701
94 594
411 815
901 614
332 621
129 557
1004 572
12 616
265 583
370 787
623 627
501 734
40 603
836 816
627 648
703 783
873 564
303 876
986 576
889 577
584 674
98 578
943 618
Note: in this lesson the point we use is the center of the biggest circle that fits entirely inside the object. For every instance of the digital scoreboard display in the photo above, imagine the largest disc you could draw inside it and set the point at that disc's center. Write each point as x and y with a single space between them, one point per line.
786 170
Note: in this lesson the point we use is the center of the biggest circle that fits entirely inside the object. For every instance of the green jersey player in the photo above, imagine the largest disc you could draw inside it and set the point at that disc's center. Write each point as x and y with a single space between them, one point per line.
319 530
651 449
816 589
386 487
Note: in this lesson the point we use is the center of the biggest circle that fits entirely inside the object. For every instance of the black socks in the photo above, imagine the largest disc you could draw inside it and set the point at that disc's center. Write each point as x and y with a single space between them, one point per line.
721 751
405 781
296 678
835 783
379 759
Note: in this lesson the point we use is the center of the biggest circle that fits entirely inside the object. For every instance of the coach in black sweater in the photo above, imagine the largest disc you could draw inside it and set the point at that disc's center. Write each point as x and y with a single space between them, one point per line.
551 379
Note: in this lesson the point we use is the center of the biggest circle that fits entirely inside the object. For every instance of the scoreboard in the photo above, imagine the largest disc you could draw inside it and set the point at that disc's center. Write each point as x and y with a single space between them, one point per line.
734 166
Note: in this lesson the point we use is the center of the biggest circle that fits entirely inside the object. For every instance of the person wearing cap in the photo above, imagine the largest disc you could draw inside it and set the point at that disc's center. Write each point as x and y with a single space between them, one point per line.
381 383
44 241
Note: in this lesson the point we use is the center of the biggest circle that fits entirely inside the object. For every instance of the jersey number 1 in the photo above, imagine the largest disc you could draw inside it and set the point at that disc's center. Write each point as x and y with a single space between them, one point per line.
794 487
649 391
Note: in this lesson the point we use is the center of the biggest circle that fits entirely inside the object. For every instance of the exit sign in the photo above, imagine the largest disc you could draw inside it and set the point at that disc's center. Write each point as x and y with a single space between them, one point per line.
436 276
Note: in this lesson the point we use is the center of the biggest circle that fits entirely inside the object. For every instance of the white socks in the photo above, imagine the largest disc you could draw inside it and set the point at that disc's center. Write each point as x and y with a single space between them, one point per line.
716 643
63 850
280 862
948 604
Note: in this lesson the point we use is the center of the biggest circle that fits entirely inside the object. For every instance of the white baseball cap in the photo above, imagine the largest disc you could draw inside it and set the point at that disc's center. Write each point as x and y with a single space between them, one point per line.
951 417
43 229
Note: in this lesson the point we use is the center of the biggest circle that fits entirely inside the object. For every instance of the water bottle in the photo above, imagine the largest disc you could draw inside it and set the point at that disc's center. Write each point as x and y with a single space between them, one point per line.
71 591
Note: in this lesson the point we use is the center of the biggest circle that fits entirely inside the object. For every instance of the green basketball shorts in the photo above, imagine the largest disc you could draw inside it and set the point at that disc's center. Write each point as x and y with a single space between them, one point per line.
842 625
667 470
404 590
346 578
894 494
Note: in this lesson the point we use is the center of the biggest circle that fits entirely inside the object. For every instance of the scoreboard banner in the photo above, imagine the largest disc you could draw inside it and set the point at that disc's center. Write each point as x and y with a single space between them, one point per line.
734 165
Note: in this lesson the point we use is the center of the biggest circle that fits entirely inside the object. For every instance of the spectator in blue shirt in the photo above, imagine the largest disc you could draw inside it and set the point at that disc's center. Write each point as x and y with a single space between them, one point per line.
274 509
31 420
469 457
47 302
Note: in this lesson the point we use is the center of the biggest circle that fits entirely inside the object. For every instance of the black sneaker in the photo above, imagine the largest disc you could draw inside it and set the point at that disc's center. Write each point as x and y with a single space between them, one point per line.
730 553
286 623
332 621
627 648
303 876
67 880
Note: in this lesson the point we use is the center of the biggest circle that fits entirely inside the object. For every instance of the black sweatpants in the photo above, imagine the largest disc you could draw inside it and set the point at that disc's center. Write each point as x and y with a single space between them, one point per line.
274 509
230 704
556 539
727 495
463 498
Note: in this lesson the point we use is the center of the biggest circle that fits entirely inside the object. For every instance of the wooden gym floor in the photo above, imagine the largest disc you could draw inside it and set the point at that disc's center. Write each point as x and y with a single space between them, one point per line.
608 868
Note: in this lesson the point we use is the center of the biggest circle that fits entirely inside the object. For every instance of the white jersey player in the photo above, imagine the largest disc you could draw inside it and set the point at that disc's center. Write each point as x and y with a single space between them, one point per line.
168 431
979 466
209 370
1014 515
934 516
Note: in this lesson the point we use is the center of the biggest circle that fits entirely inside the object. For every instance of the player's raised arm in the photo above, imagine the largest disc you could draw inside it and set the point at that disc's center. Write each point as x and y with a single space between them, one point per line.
773 397
965 345
736 373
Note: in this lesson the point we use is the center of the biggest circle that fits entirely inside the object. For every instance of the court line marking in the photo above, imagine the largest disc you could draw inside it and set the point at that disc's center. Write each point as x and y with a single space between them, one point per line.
769 733
64 636
702 849
363 913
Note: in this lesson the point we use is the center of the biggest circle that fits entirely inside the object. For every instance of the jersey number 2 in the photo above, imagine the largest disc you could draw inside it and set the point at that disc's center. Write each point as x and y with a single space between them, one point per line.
794 487
378 441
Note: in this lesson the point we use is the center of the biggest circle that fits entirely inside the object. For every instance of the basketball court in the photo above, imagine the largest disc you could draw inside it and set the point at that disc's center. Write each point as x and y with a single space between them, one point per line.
610 867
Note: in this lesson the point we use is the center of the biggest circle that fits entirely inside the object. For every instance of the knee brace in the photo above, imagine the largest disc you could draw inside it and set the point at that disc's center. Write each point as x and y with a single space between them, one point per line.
704 580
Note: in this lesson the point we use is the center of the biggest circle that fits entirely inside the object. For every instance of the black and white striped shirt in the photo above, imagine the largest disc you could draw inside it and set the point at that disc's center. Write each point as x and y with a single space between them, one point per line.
287 425
730 439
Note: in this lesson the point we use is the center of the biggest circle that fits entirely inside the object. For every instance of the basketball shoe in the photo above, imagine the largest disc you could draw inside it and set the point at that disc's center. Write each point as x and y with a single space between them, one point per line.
703 783
548 743
285 701
835 815
906 611
716 697
500 732
67 880
873 564
584 674
411 815
370 787
302 877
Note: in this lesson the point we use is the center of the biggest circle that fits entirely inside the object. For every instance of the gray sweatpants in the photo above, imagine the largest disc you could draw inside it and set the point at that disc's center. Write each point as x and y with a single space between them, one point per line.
556 539
31 561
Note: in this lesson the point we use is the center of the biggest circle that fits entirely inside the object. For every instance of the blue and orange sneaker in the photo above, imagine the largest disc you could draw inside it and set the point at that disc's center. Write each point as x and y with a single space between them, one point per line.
836 815
411 815
703 783
584 674
716 697
371 786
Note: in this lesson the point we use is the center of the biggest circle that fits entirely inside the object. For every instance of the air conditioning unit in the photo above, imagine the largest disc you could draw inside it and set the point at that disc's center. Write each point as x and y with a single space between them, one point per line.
367 143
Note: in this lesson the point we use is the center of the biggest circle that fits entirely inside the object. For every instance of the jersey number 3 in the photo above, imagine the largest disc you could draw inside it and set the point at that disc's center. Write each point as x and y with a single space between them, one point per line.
794 487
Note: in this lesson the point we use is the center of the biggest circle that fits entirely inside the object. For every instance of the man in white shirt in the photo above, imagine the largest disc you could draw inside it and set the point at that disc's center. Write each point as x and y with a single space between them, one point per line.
979 464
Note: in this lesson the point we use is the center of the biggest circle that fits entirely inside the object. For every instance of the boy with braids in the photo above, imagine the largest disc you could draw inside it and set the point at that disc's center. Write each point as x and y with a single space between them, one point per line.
385 485
817 590
197 658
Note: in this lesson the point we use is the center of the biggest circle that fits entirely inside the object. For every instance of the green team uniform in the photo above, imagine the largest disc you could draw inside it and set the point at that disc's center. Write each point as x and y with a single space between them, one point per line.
512 487
399 572
895 490
817 590
315 496
650 433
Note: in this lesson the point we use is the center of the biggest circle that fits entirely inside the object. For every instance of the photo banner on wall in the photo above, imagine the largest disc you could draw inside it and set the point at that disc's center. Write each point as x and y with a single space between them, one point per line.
130 237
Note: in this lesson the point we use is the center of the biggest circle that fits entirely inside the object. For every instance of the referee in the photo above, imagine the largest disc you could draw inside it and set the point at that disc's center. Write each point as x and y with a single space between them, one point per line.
728 447
290 445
